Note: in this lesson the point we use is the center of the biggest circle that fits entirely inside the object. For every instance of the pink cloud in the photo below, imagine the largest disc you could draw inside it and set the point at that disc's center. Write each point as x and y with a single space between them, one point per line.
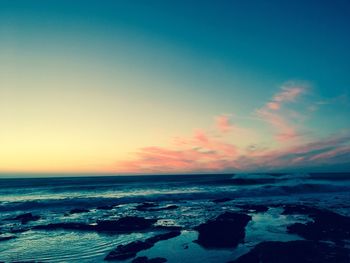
289 92
216 150
280 120
273 105
216 156
197 153
223 123
284 130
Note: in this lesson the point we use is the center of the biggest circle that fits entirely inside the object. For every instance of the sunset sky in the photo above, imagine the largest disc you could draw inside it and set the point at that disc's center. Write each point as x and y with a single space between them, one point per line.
174 86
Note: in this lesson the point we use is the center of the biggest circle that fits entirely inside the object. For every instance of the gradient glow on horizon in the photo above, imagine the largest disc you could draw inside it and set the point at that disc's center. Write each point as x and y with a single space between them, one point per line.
172 87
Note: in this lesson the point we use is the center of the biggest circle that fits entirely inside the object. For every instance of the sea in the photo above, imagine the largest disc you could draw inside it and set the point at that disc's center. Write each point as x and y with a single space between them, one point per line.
52 199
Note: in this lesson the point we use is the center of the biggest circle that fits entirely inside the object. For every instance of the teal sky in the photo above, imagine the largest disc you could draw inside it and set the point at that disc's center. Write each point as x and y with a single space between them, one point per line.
174 86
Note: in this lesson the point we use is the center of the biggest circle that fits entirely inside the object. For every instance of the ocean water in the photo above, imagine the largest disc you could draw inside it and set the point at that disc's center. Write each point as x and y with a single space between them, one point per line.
53 198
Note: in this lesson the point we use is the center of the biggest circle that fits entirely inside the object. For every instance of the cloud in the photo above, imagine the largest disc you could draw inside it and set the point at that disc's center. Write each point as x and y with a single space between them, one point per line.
223 123
289 92
221 148
280 120
197 153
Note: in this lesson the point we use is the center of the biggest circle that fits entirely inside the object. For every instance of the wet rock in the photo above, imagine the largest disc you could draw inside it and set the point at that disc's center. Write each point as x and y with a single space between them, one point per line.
78 211
299 209
226 231
254 208
165 236
130 250
66 226
125 224
147 260
5 238
326 225
168 228
301 251
222 200
105 207
145 206
25 218
18 230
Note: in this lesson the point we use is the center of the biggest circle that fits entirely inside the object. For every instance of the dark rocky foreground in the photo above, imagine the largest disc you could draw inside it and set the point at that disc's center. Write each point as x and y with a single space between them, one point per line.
226 231
130 250
300 251
124 224
149 260
326 225
326 235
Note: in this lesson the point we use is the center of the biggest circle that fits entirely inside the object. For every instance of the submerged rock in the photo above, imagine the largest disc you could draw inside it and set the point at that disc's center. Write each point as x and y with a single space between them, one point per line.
299 209
127 224
165 236
300 251
145 206
130 250
226 231
124 224
105 207
147 260
67 226
25 218
326 225
5 238
168 228
222 200
254 208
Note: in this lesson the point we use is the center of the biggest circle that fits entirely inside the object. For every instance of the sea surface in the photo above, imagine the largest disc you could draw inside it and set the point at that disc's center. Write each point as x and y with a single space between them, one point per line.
53 198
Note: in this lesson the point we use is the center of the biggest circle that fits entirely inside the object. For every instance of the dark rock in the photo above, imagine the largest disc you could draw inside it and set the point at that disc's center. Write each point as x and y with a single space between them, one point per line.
165 236
254 208
4 238
25 218
130 250
18 230
222 200
66 226
168 228
147 260
299 209
125 224
227 230
145 206
78 211
300 251
326 225
105 207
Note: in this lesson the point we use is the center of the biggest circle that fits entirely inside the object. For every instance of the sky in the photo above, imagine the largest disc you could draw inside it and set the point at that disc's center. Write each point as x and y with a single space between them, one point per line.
142 87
